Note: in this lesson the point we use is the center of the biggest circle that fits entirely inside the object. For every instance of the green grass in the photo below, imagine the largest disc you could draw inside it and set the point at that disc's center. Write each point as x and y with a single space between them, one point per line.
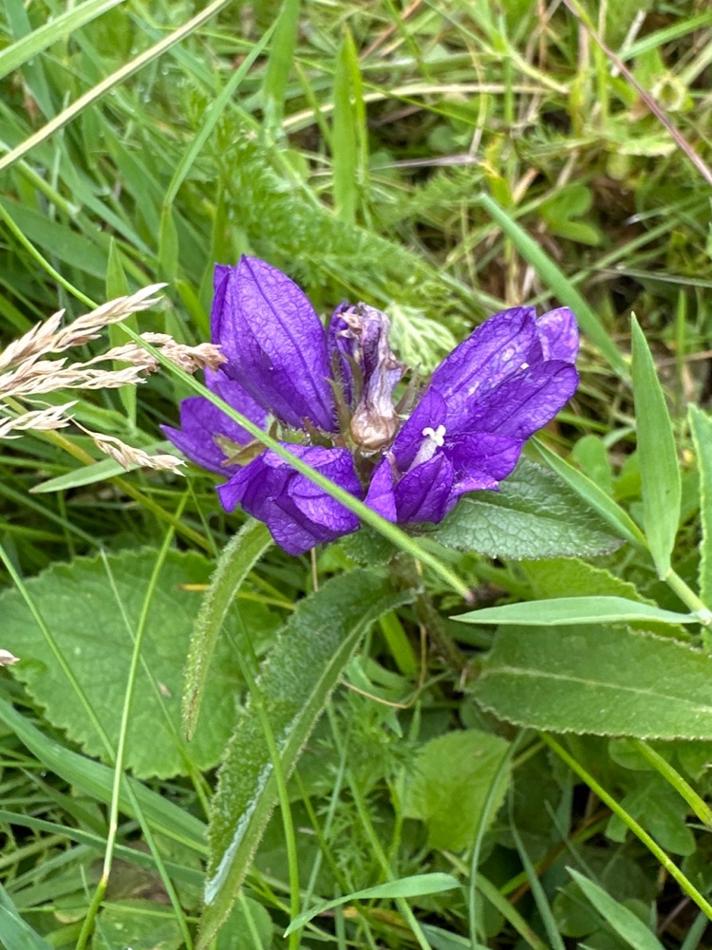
441 160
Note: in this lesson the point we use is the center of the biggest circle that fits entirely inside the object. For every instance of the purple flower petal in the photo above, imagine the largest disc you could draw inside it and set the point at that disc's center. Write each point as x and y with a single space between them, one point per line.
424 493
341 347
494 351
201 422
429 413
313 502
559 335
527 401
297 512
380 496
274 342
481 460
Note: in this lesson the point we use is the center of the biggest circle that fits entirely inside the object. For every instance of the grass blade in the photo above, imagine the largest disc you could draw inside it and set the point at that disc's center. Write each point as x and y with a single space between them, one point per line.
55 29
106 85
279 65
96 780
659 468
417 885
345 137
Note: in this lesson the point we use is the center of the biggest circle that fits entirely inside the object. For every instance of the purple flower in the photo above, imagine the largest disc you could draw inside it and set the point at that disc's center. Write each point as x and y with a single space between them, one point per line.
506 380
282 370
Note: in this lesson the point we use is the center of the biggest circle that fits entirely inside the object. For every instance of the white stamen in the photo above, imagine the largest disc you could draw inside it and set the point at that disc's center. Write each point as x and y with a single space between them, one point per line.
524 366
436 435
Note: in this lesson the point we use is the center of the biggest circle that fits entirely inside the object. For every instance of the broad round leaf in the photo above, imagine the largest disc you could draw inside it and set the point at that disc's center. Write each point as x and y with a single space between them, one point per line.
95 634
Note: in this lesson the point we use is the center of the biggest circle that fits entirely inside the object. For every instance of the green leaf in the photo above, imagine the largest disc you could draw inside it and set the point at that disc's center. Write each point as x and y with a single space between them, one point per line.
135 924
279 64
560 285
348 137
95 632
97 472
450 782
295 683
563 611
533 515
701 428
51 32
234 564
168 244
592 494
622 920
598 680
14 932
249 925
563 577
659 469
417 885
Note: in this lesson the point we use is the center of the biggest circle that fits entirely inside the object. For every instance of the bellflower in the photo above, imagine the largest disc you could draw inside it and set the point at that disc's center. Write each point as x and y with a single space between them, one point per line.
329 397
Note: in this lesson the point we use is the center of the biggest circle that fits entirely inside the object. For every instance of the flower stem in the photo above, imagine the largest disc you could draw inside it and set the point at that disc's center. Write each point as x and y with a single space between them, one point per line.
409 574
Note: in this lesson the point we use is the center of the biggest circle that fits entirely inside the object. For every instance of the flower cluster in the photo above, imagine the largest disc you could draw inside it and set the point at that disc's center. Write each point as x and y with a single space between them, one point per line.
333 389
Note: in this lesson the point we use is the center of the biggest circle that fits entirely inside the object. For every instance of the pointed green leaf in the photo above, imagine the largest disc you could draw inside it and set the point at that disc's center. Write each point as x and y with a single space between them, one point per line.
97 472
279 64
236 561
659 469
598 680
618 916
417 885
348 139
294 685
701 427
564 611
592 494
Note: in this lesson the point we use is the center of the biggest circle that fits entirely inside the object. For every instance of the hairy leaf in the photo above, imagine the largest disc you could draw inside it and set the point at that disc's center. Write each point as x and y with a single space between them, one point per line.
234 564
599 680
296 681
701 426
533 515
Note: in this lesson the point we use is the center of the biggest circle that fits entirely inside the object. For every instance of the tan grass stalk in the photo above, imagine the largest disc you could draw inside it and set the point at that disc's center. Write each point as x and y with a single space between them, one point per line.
50 337
128 456
52 417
